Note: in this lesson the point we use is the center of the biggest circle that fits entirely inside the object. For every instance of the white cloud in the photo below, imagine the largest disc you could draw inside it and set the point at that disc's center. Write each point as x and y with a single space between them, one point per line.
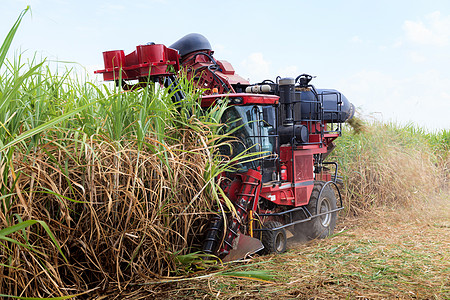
288 71
417 57
255 67
218 47
222 52
356 39
397 44
435 31
394 45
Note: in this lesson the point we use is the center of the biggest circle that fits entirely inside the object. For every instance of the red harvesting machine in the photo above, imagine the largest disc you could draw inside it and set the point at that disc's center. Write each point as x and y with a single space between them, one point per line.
290 186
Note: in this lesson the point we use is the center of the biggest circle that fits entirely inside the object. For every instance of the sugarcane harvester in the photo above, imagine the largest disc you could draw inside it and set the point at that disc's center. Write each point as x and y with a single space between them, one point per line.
287 123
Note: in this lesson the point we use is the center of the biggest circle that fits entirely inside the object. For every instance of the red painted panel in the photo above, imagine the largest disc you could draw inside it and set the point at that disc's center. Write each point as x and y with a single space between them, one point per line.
153 59
241 99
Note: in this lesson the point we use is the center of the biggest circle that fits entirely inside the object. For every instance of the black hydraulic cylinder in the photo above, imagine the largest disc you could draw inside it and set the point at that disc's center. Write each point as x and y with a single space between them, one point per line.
287 96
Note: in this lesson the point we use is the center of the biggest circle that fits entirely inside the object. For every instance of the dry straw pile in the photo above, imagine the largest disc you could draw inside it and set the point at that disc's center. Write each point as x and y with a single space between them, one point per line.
116 213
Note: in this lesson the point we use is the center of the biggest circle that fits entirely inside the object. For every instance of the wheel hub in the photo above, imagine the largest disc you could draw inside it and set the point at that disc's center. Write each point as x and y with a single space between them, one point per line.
279 243
324 208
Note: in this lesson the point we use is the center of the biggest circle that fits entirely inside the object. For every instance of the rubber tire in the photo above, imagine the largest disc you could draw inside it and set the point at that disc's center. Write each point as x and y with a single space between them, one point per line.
323 226
274 241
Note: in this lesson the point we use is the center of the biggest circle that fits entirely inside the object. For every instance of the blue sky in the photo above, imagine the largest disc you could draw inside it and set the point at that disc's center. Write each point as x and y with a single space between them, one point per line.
390 58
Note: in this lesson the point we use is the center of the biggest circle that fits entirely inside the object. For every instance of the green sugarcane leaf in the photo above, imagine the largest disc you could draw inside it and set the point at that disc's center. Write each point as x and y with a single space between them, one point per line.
25 224
47 125
253 275
17 227
17 84
29 247
9 38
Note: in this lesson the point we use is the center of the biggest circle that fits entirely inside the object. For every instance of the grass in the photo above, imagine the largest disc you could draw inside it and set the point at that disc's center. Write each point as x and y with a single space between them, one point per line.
389 164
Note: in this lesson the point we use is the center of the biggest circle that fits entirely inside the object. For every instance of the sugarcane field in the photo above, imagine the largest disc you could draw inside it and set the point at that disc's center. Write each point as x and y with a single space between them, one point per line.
164 174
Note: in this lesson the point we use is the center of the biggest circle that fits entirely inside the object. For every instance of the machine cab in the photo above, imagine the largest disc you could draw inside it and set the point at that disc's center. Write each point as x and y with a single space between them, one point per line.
251 124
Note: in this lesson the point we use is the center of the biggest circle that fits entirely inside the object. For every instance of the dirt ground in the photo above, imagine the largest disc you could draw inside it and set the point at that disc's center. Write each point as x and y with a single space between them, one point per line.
401 253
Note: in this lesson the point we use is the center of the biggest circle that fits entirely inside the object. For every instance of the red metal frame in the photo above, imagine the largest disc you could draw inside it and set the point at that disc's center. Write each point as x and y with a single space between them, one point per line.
244 193
241 99
146 60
